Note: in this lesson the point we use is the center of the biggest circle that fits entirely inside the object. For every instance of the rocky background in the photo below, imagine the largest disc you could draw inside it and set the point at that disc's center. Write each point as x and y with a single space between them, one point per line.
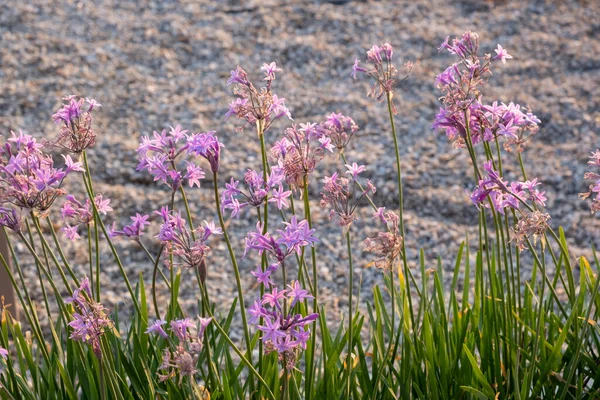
158 63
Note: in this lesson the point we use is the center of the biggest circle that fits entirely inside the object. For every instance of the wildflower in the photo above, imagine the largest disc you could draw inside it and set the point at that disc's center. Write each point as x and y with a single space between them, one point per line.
502 194
180 242
299 152
156 328
533 224
132 231
207 146
257 191
283 332
339 129
595 187
74 213
3 353
256 106
10 219
387 246
180 328
382 70
463 112
340 195
90 321
292 239
28 178
160 157
75 116
502 54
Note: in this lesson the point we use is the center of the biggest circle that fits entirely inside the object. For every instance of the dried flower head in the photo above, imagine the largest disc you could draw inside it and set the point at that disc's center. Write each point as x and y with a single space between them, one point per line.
533 225
387 246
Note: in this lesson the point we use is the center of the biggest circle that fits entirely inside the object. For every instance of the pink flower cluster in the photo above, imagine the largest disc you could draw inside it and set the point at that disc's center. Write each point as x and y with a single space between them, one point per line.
188 247
256 105
90 321
28 178
257 191
283 330
75 213
382 71
502 194
463 112
76 132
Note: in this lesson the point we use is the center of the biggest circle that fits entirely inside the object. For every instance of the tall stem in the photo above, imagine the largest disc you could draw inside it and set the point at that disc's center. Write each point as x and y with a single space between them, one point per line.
236 269
400 203
350 314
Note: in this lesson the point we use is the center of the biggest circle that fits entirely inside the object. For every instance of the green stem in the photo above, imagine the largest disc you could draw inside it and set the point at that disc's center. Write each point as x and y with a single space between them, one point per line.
109 240
350 314
234 264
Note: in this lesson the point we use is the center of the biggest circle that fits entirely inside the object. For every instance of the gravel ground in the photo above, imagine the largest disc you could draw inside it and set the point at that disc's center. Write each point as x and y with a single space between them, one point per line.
158 63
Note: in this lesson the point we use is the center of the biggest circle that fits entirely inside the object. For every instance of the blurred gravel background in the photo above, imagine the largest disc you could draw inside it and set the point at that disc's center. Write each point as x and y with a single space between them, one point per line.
158 63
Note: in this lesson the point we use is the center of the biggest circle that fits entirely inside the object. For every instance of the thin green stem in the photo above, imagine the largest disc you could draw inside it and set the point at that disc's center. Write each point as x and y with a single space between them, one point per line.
350 314
234 264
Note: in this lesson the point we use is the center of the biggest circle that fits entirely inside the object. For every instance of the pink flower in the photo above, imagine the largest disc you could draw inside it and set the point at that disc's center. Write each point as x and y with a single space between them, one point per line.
502 54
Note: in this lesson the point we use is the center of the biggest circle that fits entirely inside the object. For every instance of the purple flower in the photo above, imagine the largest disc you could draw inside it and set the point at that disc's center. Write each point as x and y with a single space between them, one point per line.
280 196
356 68
76 132
270 70
28 178
180 242
355 170
256 193
284 333
293 238
299 152
207 146
180 328
90 321
339 129
263 277
134 230
74 213
156 328
502 194
160 156
3 353
256 105
10 219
